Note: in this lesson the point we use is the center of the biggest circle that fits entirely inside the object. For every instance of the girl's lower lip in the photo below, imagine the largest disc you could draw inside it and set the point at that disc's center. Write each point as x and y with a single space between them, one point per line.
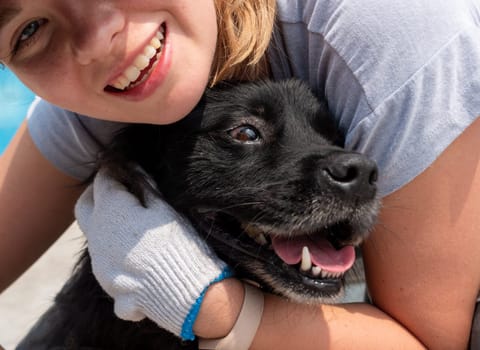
157 76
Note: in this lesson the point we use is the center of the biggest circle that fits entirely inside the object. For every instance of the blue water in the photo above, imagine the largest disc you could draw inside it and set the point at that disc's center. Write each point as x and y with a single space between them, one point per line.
15 99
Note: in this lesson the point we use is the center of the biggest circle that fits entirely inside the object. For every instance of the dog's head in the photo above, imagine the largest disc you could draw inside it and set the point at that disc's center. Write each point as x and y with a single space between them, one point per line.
258 169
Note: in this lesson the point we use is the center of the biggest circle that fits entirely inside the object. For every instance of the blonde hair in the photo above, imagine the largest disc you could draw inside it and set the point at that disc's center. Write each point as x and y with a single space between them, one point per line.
244 32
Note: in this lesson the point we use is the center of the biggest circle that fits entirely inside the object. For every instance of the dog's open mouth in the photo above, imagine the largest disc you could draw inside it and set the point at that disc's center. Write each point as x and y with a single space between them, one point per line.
305 266
315 255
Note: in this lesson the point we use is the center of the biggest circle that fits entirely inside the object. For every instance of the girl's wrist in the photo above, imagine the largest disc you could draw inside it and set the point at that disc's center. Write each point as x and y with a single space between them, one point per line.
220 308
243 332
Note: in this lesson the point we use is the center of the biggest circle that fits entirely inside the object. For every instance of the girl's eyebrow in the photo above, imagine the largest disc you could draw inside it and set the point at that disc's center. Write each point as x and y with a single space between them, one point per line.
7 14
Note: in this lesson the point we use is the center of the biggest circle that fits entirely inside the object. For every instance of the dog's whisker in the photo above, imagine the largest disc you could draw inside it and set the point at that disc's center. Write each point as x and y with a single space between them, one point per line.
229 243
237 205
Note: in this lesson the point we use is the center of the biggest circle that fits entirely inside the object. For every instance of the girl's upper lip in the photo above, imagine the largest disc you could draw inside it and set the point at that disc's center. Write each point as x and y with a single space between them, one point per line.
130 58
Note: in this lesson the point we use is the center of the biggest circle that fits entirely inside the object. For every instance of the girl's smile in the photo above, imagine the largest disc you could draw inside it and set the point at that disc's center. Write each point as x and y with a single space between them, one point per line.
143 61
137 71
147 70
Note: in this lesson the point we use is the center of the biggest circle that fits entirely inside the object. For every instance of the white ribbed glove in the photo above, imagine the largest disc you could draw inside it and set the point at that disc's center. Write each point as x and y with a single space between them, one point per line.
149 260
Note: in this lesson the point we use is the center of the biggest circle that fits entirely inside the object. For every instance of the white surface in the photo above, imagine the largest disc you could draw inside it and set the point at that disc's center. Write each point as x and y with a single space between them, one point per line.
24 301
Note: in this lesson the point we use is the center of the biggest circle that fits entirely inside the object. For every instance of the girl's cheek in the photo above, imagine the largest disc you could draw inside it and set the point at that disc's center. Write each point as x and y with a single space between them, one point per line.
45 72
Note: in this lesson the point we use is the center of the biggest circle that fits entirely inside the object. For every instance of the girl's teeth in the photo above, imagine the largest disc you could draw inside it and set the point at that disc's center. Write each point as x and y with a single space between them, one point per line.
124 81
132 73
141 62
150 51
155 42
121 83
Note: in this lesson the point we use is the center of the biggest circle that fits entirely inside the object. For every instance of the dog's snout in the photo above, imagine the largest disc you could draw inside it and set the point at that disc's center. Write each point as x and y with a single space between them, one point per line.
352 173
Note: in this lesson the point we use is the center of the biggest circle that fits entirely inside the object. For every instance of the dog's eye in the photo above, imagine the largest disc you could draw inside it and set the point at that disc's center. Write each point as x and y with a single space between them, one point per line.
245 133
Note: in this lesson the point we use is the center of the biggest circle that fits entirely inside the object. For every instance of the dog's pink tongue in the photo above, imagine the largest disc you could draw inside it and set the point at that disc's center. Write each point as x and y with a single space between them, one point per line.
322 253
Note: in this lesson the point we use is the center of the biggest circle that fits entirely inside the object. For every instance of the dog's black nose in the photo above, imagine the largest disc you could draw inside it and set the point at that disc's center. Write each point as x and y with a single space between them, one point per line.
353 174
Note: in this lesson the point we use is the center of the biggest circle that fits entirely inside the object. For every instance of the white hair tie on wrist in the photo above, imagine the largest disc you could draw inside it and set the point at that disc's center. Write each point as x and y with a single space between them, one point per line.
244 330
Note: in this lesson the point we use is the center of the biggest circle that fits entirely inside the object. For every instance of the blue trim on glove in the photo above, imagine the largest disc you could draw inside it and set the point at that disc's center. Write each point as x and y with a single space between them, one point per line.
187 328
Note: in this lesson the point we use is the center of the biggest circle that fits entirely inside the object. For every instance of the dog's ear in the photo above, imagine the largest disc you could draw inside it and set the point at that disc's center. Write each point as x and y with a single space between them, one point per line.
126 159
191 122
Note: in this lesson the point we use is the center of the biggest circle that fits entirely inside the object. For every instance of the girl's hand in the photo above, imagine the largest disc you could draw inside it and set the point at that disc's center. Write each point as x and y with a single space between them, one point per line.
150 260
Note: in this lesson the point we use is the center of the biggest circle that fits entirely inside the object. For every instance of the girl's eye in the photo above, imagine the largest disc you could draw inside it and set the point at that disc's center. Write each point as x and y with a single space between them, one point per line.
28 33
245 133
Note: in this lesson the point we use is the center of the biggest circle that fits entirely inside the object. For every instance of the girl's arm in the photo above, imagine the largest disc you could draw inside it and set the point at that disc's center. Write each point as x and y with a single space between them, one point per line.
423 269
36 206
423 261
286 325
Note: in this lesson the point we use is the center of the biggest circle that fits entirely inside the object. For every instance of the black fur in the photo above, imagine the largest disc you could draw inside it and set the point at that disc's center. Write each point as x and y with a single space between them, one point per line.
257 157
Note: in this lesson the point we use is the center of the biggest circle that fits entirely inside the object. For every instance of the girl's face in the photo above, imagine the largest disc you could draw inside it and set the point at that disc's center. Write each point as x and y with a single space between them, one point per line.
136 61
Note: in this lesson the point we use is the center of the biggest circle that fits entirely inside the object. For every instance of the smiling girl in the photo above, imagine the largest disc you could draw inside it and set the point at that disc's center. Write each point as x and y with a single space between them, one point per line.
401 79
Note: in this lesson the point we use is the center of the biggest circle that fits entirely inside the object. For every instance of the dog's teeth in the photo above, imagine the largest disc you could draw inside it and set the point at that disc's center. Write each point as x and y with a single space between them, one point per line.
316 271
328 274
306 260
260 239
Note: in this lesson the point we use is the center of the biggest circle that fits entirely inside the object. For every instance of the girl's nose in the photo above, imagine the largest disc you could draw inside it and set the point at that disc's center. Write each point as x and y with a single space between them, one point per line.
95 31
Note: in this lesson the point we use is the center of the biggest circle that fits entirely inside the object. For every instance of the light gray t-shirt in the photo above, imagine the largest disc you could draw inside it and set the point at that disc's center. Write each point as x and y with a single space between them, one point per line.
402 79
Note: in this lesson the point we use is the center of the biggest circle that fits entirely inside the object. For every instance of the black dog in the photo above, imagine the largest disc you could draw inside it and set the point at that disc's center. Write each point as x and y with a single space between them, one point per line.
259 171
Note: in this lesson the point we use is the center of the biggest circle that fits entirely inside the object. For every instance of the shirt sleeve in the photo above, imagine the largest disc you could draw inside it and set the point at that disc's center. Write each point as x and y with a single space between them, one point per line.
401 78
70 141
